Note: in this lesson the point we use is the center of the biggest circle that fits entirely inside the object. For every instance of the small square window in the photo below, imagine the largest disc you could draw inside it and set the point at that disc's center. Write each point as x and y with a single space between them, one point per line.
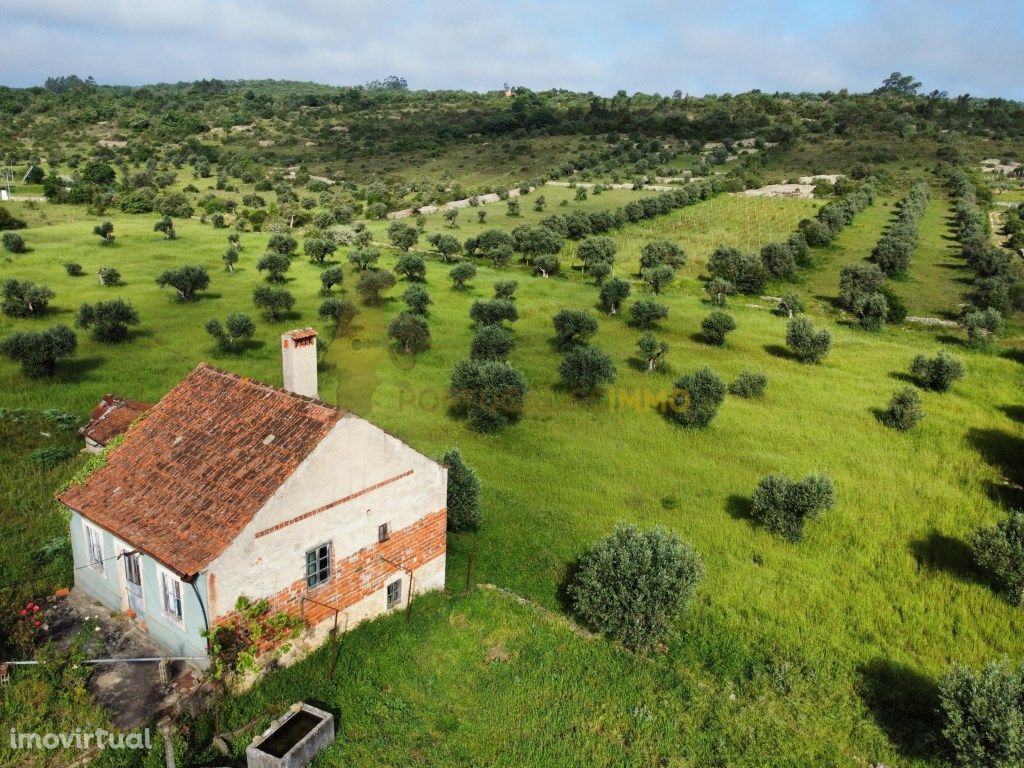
318 565
394 593
383 532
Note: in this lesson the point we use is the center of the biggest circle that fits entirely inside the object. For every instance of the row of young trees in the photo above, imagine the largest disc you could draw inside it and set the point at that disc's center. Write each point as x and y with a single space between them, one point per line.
998 287
893 251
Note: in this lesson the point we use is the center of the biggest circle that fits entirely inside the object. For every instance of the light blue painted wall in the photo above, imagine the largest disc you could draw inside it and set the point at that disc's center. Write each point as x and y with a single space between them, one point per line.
106 587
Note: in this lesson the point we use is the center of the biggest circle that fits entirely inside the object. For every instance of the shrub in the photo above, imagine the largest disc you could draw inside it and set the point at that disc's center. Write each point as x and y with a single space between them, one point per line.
584 369
613 293
749 384
463 493
697 398
462 274
857 282
651 349
412 267
983 715
806 343
783 506
13 242
871 311
493 312
411 332
937 373
904 411
109 276
275 302
37 352
74 269
646 314
490 393
23 298
373 283
339 311
715 326
492 342
573 327
187 280
632 585
109 319
999 551
237 329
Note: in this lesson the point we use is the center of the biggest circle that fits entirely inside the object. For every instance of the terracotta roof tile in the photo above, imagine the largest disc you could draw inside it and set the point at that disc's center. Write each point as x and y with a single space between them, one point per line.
112 417
200 464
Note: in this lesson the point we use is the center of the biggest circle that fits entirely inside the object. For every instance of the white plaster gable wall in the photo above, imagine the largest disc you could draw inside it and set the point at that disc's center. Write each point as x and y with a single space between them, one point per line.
354 455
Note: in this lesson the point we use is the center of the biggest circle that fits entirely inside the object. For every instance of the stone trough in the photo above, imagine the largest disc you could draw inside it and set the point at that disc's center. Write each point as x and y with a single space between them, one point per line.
292 741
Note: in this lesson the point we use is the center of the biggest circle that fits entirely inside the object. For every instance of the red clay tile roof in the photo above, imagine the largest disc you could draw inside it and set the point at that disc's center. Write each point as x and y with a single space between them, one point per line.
112 417
199 464
302 333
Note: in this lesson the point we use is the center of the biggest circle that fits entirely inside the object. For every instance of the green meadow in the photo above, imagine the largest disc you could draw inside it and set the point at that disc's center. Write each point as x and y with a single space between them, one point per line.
812 654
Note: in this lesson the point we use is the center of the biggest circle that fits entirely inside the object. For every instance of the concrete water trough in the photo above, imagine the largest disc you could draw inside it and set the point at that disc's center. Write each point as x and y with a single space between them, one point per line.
293 740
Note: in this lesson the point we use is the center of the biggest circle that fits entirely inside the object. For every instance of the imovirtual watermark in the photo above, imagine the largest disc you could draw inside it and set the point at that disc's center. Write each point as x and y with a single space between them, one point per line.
79 739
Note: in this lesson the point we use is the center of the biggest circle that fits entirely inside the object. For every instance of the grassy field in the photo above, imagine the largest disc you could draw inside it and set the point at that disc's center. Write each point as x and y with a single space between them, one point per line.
938 276
831 645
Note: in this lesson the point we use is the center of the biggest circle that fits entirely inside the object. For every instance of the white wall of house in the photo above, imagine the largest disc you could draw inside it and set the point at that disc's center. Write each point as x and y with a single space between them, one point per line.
352 457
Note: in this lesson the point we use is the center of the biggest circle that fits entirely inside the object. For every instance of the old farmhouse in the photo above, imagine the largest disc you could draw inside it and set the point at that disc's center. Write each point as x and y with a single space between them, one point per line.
229 487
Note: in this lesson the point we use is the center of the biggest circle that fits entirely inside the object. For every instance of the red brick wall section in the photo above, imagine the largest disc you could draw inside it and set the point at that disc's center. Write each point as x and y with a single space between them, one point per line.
361 574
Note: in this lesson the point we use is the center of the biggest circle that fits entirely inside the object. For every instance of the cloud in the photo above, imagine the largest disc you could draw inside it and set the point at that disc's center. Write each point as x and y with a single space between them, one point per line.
698 46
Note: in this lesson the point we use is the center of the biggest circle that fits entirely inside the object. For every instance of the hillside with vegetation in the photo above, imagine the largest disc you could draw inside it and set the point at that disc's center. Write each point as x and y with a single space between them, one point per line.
791 421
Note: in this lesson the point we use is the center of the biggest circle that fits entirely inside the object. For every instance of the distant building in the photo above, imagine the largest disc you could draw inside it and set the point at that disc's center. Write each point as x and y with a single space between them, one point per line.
229 487
110 418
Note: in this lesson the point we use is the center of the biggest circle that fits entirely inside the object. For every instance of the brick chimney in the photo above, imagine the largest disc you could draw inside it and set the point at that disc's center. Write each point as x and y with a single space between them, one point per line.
298 357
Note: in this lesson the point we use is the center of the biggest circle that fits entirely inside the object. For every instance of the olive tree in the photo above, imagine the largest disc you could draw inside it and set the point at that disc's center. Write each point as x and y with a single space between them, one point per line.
364 259
417 299
410 332
806 343
373 283
109 320
492 342
275 265
715 326
37 352
613 293
651 350
573 327
461 274
490 393
331 277
697 398
904 410
646 314
166 226
937 373
237 329
983 714
783 506
999 551
583 369
341 312
275 302
402 236
412 267
493 312
187 280
633 585
23 298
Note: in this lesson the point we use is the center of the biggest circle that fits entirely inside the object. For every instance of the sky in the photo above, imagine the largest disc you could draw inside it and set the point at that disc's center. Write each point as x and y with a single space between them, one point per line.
654 46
